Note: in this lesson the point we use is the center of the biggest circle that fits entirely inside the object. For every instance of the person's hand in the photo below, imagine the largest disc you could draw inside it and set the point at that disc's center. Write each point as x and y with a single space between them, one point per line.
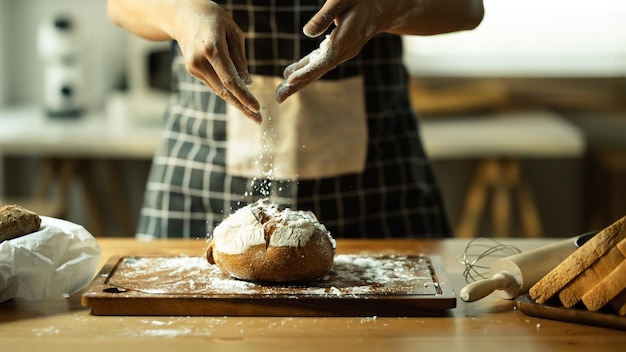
213 47
356 21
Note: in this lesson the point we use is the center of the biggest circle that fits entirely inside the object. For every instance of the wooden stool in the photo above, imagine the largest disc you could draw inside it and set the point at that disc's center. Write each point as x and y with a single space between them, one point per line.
499 142
502 177
51 192
41 201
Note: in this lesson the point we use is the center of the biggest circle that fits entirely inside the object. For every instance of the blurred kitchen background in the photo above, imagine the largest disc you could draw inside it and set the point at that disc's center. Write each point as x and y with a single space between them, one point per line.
524 117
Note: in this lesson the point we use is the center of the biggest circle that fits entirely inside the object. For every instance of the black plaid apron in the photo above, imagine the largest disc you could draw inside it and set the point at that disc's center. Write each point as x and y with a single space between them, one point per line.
189 192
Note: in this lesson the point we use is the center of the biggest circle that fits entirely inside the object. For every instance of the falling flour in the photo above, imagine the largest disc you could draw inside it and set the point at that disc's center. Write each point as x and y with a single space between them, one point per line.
261 187
264 186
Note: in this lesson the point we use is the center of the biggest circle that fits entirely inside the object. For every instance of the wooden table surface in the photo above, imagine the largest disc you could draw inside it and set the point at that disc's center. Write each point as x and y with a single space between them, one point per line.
491 324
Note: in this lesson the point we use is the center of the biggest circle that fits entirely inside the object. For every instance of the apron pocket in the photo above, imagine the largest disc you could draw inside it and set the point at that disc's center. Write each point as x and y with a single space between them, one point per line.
318 132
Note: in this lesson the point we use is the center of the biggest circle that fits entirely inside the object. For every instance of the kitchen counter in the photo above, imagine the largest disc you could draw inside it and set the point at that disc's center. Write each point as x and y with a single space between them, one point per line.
491 324
26 131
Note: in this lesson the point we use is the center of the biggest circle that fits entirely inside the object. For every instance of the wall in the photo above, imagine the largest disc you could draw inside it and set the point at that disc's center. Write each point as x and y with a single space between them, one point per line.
3 53
102 44
3 79
562 38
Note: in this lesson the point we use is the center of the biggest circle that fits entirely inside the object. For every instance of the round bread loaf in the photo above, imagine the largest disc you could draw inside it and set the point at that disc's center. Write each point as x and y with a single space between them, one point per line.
263 243
16 221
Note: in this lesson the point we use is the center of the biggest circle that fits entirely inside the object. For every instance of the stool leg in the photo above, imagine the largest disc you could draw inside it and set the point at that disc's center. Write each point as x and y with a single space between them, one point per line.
616 197
528 212
475 200
503 181
119 208
529 215
44 179
65 176
89 186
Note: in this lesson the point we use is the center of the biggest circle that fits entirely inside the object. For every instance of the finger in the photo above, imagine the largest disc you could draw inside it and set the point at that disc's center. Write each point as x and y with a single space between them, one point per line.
238 55
315 64
339 46
322 20
219 57
255 116
232 81
311 71
210 78
289 70
287 89
231 99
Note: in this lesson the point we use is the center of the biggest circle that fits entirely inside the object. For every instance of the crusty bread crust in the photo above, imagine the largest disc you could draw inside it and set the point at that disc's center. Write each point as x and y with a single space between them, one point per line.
16 221
263 263
619 303
578 261
573 292
263 243
607 289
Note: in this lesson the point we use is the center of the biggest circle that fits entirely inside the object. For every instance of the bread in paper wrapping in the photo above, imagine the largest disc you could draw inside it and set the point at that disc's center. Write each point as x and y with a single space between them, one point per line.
59 259
16 221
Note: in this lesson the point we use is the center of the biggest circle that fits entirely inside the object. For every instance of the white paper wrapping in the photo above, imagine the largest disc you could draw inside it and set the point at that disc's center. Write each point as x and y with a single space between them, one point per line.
59 259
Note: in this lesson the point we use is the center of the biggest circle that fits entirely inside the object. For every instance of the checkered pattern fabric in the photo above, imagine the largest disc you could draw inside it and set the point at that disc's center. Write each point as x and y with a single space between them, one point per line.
189 191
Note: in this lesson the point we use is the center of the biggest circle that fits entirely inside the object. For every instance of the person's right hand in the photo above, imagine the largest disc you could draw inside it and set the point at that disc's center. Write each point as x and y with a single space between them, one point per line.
213 47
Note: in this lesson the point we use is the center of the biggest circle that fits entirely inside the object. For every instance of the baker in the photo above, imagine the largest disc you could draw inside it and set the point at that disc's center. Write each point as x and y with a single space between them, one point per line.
303 101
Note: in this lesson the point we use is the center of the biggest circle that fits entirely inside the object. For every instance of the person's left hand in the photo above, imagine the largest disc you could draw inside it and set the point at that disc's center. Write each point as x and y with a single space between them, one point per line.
356 21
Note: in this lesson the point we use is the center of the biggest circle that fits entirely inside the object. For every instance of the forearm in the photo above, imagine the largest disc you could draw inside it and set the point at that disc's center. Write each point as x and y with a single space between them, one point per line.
150 19
429 17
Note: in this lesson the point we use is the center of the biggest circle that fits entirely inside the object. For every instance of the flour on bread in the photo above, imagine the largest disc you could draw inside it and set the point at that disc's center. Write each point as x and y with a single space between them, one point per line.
247 227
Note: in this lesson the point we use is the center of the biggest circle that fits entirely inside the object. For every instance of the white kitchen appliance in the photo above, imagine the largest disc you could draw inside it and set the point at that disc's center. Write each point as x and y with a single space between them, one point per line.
149 78
59 48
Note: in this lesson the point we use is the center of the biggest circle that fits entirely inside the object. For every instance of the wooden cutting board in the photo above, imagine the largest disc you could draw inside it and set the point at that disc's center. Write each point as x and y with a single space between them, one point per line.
573 315
358 285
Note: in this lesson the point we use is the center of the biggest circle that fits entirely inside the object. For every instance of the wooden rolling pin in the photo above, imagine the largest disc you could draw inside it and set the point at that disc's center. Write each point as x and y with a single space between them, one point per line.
516 274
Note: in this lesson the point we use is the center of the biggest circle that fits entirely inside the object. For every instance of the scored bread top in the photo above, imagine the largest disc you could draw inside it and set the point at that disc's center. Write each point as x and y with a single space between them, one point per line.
263 222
